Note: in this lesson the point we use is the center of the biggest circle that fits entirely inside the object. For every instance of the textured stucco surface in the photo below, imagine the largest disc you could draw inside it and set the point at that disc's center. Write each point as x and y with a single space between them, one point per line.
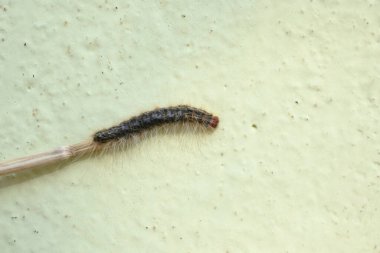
293 167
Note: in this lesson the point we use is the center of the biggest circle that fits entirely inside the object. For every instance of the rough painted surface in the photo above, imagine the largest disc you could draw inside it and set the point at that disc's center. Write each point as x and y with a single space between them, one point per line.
294 166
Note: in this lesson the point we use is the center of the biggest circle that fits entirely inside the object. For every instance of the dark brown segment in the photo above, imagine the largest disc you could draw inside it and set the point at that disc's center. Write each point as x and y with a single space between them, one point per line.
158 117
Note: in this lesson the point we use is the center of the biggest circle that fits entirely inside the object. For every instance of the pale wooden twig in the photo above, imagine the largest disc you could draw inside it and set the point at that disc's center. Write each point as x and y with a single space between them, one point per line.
57 155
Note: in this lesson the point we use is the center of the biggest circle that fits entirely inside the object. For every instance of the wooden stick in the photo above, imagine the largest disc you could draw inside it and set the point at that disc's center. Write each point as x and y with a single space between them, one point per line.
57 155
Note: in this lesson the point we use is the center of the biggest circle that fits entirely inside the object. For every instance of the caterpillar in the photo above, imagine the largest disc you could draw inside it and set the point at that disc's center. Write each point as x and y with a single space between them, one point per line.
158 117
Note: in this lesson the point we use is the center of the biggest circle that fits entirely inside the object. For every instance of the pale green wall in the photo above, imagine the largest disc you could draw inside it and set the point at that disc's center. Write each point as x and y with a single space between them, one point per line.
307 179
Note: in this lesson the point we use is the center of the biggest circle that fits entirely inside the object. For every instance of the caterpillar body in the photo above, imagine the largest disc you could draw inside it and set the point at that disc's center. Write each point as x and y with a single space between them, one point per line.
157 117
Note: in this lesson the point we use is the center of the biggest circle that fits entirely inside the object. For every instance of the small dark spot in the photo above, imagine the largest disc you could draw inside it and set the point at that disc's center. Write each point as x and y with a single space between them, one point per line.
254 126
116 8
183 16
35 231
296 102
14 217
34 112
24 44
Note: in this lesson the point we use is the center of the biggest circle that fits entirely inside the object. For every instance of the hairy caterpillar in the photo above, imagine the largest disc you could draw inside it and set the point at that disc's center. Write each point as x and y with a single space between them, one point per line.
158 117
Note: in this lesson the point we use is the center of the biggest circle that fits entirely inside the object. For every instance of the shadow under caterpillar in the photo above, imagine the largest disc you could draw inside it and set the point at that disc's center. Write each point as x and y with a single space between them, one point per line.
104 139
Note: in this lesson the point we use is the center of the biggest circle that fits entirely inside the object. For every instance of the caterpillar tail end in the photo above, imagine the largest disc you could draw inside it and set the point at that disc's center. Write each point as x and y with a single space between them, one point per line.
214 121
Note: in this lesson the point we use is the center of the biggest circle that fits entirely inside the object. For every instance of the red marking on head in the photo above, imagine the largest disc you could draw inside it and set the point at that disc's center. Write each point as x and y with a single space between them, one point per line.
214 122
